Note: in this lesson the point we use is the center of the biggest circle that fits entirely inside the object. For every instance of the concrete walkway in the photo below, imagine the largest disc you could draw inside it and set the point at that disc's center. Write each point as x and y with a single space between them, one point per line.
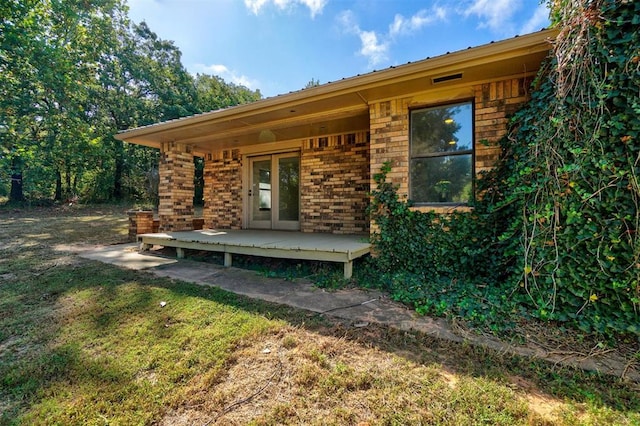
359 307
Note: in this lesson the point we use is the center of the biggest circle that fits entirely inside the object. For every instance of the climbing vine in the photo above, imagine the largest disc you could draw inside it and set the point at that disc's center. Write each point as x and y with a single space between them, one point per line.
555 235
573 158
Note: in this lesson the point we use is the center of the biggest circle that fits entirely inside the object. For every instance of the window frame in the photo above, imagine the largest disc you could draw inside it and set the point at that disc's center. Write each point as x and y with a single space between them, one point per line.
471 151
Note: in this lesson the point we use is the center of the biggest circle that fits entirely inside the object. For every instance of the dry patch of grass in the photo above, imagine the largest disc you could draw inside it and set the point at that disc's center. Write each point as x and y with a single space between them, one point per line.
294 376
87 343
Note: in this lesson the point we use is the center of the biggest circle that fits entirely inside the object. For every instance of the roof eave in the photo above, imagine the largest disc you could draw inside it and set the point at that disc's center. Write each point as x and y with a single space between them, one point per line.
534 42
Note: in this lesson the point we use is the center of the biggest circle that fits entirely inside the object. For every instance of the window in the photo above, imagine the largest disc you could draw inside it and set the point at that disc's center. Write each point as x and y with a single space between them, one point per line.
441 154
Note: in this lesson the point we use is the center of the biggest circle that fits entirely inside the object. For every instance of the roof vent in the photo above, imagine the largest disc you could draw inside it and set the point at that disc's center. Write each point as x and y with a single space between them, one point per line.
449 77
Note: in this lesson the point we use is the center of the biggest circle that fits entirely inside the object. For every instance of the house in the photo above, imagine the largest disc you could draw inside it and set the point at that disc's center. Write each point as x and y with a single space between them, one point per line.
304 161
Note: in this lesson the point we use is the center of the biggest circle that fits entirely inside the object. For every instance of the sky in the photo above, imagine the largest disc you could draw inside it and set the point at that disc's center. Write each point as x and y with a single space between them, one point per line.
279 46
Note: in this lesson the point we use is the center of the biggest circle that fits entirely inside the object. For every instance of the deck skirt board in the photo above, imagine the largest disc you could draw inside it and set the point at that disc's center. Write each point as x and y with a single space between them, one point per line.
279 244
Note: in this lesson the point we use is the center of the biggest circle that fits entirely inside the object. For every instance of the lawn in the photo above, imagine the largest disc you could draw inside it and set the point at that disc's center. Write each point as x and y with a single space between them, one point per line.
87 343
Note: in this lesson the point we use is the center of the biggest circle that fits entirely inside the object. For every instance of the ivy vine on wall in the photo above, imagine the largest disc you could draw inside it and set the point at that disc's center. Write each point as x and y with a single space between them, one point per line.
555 233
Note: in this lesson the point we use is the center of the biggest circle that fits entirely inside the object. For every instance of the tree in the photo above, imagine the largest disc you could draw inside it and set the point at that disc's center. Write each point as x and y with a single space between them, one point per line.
48 69
214 93
72 74
312 83
19 42
142 81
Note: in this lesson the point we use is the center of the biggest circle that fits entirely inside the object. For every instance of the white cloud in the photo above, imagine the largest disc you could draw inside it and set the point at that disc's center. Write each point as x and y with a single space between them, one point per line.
315 6
494 14
348 22
539 20
227 75
372 48
255 5
375 46
402 25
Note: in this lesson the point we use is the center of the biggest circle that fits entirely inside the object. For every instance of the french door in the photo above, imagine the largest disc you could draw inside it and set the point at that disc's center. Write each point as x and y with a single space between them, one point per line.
274 193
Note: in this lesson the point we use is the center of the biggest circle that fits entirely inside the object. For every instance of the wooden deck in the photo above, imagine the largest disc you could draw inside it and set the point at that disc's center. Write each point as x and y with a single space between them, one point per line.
281 244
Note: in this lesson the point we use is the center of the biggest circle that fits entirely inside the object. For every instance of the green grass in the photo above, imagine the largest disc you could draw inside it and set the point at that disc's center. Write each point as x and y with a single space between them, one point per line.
87 343
92 341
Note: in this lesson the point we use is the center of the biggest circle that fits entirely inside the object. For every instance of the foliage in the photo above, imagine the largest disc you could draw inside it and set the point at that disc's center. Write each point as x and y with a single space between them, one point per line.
555 233
72 74
443 264
570 174
312 83
47 51
214 93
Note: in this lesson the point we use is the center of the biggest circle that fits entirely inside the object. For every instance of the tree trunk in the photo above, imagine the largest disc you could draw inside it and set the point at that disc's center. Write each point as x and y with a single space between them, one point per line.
16 195
68 182
58 194
119 170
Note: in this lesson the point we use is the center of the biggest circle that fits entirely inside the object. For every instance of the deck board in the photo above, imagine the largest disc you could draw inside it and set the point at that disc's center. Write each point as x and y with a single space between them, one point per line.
280 244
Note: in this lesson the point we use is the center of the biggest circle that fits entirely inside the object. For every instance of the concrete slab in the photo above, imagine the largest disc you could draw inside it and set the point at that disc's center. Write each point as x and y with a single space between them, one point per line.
126 256
299 293
352 304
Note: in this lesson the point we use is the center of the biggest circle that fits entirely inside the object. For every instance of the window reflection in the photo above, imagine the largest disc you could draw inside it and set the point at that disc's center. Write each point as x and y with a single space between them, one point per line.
441 165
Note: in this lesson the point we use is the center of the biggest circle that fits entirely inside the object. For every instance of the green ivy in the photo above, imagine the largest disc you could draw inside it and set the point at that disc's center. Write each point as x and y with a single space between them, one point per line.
442 264
554 235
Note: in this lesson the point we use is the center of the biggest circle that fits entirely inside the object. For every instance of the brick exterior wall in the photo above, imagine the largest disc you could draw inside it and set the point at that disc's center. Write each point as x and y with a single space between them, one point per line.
223 190
494 103
176 188
335 171
334 177
389 123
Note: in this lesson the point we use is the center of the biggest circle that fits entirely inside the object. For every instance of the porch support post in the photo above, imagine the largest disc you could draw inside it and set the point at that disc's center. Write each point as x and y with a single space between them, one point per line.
176 187
348 269
223 190
227 259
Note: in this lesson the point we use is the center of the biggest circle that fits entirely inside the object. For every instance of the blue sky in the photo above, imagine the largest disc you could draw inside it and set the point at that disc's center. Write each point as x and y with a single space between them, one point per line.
278 46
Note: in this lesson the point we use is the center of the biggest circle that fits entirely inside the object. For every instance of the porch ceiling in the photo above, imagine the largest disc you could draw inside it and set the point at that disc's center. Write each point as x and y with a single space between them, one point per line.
339 114
343 106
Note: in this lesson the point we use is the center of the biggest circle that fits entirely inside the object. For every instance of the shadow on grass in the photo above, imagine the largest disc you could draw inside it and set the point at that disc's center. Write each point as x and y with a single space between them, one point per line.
111 297
41 298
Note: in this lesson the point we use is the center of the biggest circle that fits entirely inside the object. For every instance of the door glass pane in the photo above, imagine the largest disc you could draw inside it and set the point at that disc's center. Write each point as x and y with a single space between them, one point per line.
261 190
289 188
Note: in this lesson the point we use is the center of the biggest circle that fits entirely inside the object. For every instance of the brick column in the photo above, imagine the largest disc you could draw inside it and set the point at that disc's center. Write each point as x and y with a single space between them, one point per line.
223 190
140 222
176 187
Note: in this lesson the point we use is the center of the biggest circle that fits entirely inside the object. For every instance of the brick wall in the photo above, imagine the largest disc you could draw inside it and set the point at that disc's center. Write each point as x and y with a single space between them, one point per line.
494 102
334 176
175 209
389 122
223 190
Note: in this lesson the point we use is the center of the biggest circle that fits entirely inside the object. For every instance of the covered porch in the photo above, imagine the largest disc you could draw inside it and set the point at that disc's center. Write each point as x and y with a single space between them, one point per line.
326 247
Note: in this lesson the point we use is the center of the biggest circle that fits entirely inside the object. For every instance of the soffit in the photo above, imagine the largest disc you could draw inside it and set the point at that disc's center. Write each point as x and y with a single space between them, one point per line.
342 106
